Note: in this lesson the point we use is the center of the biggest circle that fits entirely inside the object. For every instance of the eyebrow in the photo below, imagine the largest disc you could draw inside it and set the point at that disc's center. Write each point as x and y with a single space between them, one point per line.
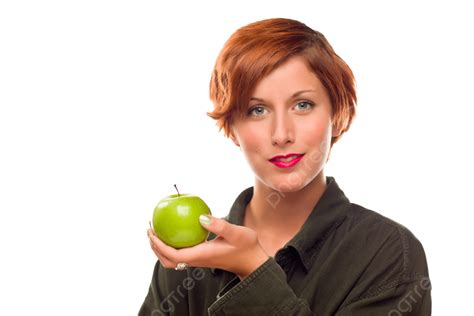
292 97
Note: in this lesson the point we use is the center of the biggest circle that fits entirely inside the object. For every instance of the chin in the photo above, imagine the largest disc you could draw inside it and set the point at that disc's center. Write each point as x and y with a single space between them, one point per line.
288 184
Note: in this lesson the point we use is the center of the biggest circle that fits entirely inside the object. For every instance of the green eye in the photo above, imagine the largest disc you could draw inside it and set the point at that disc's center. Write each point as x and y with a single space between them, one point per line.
260 110
304 105
256 111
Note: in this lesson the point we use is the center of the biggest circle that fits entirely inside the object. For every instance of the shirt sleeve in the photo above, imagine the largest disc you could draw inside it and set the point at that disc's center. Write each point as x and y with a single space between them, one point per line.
154 297
264 292
159 301
407 297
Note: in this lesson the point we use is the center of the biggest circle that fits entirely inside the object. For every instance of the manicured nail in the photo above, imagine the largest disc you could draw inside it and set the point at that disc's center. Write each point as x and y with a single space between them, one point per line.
205 219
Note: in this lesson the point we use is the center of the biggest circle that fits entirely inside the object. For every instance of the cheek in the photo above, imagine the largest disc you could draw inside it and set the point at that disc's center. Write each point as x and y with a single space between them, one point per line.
316 133
251 146
252 142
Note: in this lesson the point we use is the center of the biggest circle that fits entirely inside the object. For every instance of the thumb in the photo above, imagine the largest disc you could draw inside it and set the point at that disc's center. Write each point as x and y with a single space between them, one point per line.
220 227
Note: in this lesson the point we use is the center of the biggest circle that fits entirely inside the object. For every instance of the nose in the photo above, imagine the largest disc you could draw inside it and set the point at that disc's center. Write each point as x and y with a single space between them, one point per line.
282 130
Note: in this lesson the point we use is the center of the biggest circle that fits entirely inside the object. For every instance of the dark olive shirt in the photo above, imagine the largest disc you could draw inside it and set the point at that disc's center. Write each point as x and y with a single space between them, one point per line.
345 260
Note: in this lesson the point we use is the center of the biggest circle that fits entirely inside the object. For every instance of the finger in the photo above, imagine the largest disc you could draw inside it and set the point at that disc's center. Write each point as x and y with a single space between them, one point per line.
169 252
165 262
151 227
221 227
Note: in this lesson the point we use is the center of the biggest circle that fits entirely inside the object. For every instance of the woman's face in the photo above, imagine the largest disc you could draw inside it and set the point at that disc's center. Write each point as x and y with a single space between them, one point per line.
289 112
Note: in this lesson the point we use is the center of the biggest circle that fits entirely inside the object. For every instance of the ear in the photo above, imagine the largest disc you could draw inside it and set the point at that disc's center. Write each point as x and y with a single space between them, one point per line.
234 139
336 131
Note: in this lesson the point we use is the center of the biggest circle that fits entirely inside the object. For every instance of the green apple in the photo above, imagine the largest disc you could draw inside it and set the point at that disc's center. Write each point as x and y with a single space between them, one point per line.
176 220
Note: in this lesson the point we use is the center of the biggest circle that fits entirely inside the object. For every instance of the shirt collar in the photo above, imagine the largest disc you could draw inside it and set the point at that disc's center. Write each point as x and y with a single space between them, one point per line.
328 213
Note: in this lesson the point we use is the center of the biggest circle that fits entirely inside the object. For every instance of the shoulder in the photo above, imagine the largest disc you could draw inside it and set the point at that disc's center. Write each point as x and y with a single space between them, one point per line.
379 259
389 241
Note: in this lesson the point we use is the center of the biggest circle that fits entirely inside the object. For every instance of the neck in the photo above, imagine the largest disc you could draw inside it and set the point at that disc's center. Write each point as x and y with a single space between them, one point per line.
272 213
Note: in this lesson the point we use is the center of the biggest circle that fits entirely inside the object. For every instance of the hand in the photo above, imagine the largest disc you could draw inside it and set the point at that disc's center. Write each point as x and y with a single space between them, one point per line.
235 249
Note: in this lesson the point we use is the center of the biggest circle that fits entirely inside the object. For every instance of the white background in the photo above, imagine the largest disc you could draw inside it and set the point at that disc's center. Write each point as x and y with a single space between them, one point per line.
102 110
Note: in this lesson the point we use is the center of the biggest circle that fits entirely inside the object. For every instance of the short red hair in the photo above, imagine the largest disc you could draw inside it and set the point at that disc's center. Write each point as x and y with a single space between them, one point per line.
256 49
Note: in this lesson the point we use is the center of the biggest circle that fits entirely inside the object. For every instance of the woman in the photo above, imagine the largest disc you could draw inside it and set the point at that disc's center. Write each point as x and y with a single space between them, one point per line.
293 244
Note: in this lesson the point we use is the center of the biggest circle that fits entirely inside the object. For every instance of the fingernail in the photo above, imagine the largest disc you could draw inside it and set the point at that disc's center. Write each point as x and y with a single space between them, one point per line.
151 227
205 219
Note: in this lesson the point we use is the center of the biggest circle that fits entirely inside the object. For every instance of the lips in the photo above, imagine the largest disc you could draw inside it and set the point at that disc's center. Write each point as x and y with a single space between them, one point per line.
286 158
286 161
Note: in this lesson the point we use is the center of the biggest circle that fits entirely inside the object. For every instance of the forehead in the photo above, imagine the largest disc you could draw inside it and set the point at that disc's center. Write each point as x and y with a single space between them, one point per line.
293 75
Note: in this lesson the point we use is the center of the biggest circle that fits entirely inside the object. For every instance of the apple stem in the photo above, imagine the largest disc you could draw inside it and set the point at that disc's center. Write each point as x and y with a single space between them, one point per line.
176 189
